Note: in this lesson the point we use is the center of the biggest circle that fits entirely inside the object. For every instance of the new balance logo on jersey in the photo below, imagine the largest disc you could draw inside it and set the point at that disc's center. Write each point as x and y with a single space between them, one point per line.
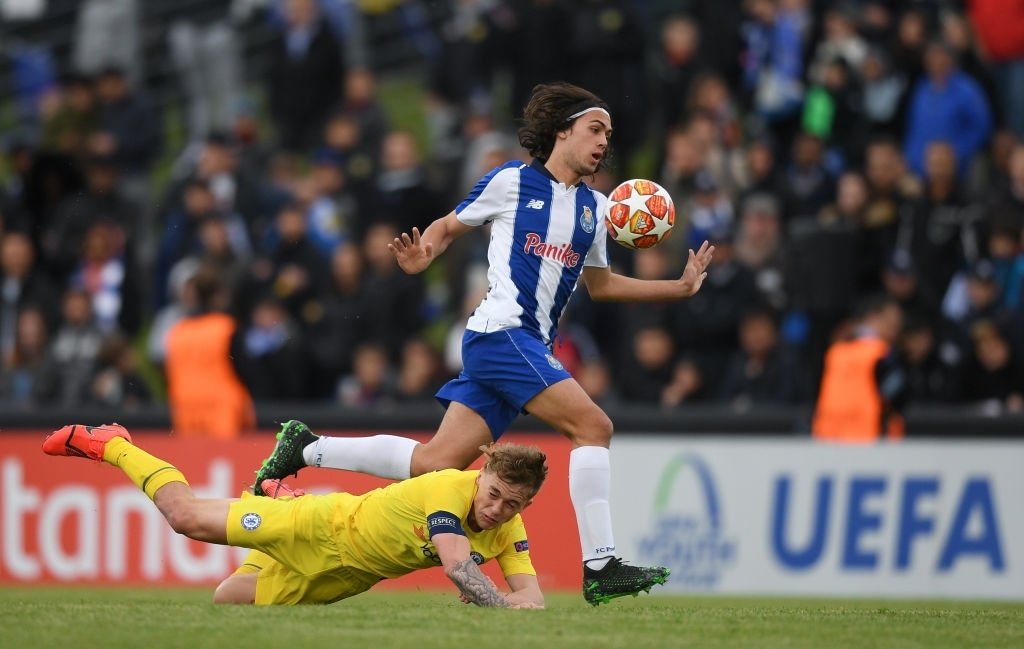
535 204
563 253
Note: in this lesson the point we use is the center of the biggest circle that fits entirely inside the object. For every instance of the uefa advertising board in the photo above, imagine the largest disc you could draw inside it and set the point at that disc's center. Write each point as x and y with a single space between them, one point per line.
792 517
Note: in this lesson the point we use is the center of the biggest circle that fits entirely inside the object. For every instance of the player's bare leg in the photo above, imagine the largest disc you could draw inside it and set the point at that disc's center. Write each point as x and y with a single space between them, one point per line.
455 445
202 519
237 589
570 411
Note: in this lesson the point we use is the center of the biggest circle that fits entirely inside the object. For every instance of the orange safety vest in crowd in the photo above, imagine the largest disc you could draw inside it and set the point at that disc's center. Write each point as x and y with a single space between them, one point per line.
850 408
206 397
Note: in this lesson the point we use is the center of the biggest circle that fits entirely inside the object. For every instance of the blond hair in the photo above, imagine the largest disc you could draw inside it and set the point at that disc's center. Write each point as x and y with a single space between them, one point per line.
524 466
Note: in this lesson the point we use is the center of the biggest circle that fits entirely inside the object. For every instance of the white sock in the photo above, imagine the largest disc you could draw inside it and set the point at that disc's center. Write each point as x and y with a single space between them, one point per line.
385 456
590 478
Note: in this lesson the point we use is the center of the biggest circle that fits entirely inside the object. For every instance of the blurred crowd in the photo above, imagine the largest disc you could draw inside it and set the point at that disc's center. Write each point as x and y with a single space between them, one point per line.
832 152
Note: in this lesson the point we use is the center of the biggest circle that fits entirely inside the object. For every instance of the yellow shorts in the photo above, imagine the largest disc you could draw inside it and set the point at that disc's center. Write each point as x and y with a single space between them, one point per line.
296 549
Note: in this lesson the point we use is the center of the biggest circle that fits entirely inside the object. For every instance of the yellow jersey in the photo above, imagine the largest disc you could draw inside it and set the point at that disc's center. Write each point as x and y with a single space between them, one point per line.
389 529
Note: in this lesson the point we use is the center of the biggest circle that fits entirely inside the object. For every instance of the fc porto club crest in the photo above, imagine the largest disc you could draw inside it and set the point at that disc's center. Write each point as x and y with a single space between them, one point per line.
587 220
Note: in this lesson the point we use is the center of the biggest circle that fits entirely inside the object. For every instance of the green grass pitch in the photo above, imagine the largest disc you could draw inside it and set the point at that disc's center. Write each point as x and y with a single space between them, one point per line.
56 618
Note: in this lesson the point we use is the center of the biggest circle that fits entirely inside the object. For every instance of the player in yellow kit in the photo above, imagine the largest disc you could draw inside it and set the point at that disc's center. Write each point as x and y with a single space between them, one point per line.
324 548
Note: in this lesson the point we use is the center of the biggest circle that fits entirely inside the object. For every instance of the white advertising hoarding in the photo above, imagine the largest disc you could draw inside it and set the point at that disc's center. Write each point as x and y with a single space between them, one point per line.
781 517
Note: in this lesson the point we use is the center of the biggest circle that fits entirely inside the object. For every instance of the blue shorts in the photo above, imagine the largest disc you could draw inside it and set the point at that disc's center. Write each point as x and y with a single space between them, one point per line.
501 371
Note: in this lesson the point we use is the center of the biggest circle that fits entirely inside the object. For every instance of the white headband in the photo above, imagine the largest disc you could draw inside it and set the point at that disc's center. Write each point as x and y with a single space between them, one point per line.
587 110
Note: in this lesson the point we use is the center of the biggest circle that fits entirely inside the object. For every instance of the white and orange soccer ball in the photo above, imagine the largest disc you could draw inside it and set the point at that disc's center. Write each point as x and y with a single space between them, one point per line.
640 213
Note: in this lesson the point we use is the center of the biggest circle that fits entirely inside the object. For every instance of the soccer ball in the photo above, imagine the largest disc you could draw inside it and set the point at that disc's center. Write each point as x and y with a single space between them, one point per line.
640 213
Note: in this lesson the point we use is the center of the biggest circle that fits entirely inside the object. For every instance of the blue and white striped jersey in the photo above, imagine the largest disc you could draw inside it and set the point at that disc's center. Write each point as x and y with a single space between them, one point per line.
542 235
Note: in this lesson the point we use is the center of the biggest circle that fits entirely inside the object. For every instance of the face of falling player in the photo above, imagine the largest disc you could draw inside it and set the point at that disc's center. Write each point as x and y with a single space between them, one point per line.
496 501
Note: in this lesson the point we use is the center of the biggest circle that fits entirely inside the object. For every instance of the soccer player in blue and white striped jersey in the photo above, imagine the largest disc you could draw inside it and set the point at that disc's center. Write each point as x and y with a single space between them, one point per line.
547 232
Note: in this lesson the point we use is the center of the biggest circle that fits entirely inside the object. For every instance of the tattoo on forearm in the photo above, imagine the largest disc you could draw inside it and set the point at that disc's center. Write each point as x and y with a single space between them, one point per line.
475 585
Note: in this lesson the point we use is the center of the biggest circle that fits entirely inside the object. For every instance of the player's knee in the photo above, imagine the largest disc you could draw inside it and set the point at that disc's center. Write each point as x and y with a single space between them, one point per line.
182 520
594 429
234 590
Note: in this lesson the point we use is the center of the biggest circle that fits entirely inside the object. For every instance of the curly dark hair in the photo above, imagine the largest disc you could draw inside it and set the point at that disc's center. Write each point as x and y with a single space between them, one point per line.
548 112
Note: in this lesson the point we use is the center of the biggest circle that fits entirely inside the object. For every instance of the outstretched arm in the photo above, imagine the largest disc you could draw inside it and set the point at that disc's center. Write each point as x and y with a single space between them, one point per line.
606 286
525 590
475 586
415 252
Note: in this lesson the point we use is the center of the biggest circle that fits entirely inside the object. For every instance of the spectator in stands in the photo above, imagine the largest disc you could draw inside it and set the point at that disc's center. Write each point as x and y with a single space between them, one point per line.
595 377
934 365
394 300
344 137
305 77
71 361
958 34
22 285
759 247
105 272
1006 208
205 395
1000 28
333 211
863 387
686 385
761 371
682 160
705 326
824 260
901 281
833 111
360 102
946 105
340 325
773 57
648 368
606 57
891 187
842 44
293 269
117 382
419 373
807 183
994 378
761 174
942 228
404 197
130 133
982 295
108 34
129 130
70 116
100 201
674 69
275 360
21 368
215 162
183 234
1007 254
710 211
371 380
884 95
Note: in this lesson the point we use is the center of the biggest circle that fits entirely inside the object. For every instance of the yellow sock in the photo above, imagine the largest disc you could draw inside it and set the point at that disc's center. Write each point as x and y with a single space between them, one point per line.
147 472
